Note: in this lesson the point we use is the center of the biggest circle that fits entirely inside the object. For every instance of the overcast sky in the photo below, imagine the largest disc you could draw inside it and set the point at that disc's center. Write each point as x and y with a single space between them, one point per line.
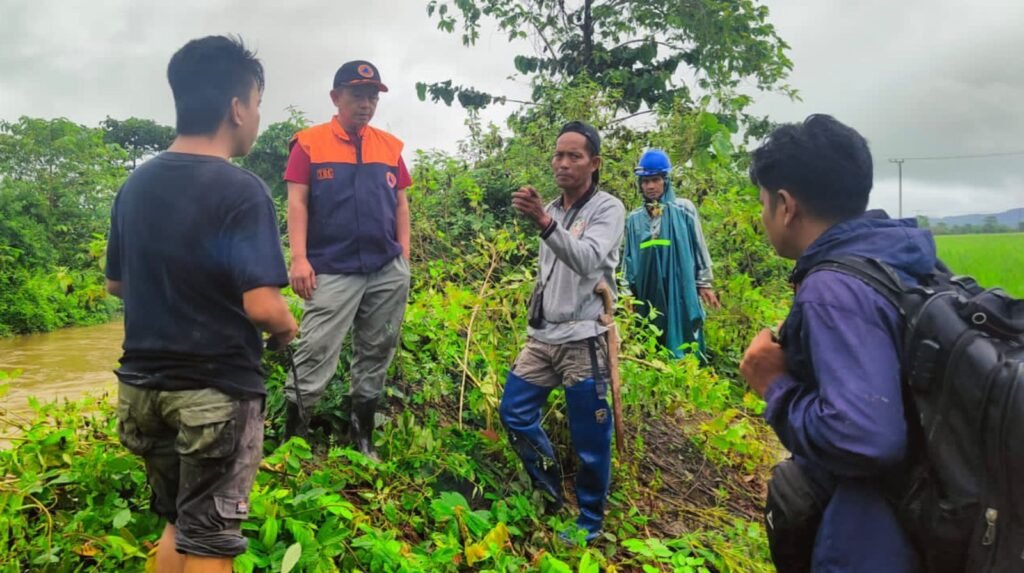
919 78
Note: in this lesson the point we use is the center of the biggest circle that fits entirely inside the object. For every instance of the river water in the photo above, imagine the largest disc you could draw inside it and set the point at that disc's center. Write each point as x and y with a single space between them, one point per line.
67 363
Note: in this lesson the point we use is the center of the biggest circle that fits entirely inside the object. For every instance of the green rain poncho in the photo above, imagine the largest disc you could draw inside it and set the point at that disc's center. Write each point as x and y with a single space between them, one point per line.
666 260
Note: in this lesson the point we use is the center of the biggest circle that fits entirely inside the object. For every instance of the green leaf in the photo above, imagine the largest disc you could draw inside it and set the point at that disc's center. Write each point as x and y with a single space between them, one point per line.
549 564
588 564
635 546
291 557
122 547
244 564
122 518
444 507
721 143
268 533
478 522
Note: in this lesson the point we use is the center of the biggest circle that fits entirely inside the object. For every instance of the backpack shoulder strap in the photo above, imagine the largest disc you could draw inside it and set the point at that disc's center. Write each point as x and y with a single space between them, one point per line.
876 274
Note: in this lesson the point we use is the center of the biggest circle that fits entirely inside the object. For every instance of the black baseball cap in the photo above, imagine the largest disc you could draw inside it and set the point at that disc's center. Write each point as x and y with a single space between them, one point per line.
356 73
586 130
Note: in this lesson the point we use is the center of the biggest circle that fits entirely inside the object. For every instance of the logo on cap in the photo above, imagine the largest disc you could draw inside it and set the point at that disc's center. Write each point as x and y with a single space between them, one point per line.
365 70
392 180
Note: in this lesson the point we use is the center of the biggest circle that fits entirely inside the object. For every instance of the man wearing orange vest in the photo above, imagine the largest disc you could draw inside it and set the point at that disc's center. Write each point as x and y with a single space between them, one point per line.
348 225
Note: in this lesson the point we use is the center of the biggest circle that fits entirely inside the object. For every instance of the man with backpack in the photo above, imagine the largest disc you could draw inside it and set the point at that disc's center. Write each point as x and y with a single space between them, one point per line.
195 254
898 387
832 378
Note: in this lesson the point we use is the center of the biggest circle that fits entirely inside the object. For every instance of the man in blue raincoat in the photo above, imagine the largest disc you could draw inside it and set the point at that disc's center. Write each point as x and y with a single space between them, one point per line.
667 262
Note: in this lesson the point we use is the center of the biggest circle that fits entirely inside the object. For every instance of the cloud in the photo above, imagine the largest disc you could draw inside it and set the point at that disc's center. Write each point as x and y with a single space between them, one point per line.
924 197
916 77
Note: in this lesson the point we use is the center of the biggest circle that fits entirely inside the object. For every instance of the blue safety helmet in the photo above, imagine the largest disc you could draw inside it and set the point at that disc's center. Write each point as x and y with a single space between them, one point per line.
653 162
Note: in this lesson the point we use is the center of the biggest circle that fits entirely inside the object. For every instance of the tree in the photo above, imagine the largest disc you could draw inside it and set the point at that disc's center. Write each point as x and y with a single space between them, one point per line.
637 48
59 179
923 222
991 224
139 137
269 156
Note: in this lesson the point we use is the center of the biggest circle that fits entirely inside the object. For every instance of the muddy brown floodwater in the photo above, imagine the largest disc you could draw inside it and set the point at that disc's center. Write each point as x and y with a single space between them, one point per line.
68 363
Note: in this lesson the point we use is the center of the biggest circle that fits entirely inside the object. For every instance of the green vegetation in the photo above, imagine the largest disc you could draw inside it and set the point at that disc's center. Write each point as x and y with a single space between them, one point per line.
58 182
989 225
632 47
447 499
140 138
995 260
451 495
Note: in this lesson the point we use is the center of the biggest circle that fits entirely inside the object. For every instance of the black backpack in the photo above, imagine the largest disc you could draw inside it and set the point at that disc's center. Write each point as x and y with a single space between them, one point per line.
961 499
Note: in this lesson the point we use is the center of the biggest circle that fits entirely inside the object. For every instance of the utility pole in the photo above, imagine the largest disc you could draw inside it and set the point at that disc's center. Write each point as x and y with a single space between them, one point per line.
899 163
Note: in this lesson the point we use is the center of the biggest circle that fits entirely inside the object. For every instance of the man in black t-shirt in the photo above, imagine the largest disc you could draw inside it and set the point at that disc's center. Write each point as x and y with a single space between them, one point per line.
195 254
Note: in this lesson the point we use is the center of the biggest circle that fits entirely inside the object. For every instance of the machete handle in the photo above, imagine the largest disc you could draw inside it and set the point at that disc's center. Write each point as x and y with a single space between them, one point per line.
605 293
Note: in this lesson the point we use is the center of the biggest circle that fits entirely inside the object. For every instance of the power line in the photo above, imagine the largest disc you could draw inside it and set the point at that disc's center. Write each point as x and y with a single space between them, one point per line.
975 156
899 163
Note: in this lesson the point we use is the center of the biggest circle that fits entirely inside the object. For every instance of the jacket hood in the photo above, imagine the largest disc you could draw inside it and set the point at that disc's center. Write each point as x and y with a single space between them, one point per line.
897 242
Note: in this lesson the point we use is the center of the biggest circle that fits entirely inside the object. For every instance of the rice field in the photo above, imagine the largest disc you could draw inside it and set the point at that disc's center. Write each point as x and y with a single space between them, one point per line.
993 260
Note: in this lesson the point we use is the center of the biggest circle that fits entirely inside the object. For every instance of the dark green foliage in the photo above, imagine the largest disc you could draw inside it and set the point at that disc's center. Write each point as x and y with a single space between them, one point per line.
141 138
269 156
59 180
640 49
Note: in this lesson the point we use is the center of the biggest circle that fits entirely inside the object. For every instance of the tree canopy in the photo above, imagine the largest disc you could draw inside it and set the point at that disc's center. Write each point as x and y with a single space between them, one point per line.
139 137
650 52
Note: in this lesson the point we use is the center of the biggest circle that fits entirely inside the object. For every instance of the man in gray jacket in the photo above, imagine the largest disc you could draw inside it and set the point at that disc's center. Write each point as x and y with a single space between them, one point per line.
581 234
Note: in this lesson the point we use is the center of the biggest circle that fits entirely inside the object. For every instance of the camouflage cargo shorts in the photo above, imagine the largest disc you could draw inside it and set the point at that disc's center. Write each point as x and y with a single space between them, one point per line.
202 450
552 365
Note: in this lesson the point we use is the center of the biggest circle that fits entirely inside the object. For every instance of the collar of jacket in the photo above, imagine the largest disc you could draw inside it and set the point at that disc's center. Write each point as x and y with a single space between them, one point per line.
560 201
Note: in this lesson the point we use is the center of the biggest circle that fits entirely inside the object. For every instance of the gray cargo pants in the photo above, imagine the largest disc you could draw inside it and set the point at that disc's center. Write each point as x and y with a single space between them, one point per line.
374 304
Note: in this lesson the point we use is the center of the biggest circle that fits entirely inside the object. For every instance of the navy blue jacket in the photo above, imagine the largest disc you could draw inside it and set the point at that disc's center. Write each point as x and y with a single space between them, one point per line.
839 409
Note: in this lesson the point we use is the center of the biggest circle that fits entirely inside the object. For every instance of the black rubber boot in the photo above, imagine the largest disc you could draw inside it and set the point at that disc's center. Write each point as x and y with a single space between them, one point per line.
361 428
294 424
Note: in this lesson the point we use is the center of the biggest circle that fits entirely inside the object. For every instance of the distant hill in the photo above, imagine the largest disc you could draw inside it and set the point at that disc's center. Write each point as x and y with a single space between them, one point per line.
1009 218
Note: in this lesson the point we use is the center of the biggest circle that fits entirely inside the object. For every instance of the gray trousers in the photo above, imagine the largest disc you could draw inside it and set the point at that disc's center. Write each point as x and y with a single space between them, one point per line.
374 304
